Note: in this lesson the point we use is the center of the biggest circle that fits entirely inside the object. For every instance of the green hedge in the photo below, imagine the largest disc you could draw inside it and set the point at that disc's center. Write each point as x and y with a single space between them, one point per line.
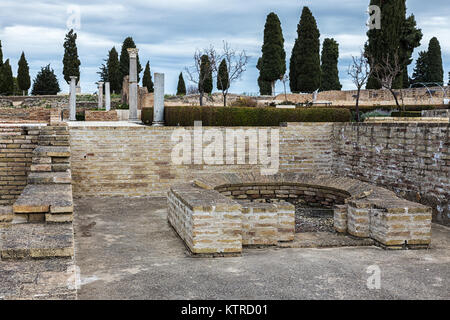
245 117
407 114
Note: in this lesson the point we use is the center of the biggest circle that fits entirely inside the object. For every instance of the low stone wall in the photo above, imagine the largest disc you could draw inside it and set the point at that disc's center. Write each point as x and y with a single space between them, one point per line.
17 143
34 101
25 115
406 120
206 229
438 113
412 159
101 115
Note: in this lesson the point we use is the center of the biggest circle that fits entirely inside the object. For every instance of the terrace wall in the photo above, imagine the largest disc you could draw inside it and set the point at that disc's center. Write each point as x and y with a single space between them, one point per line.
411 159
136 160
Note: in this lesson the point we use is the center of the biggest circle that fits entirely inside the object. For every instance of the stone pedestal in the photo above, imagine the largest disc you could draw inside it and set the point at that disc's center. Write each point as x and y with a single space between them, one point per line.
158 118
73 99
100 95
107 96
133 87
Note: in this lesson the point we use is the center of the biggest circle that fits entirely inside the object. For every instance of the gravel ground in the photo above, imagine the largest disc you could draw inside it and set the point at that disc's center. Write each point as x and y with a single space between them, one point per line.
309 219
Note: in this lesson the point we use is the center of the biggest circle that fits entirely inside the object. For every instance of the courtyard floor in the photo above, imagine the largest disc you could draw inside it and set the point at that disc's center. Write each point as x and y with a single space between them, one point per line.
125 249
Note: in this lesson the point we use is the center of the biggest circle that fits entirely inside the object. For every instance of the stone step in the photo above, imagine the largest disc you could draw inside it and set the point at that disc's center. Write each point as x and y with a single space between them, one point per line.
58 130
36 241
45 199
54 143
56 167
51 151
50 177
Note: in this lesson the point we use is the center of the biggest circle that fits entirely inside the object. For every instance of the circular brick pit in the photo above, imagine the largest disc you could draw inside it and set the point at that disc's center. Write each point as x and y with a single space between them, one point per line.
218 214
309 195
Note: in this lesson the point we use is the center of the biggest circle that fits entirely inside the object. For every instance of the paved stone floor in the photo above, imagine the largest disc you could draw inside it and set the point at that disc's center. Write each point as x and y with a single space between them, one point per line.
125 249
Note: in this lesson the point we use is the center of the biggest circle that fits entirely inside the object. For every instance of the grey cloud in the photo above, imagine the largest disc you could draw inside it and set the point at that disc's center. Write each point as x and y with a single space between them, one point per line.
168 32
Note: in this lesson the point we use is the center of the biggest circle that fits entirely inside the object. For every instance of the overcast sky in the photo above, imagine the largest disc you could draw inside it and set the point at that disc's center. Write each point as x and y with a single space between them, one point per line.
167 32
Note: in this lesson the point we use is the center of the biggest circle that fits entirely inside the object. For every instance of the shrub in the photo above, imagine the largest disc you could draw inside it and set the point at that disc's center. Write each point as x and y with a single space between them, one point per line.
407 114
245 102
245 117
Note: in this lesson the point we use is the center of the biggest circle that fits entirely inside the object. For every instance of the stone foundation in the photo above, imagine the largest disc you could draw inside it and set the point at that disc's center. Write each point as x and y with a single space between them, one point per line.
101 115
215 207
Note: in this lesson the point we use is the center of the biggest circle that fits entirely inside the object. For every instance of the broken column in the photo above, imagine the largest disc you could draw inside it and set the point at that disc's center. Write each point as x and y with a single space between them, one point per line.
158 114
100 95
73 99
133 85
107 96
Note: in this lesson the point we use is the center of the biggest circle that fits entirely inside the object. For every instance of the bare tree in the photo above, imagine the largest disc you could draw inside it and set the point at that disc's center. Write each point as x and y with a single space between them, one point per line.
192 90
360 72
236 63
386 71
199 76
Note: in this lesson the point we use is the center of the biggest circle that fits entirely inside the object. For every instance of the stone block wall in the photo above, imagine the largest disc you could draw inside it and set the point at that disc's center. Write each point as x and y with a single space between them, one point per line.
25 115
101 115
411 159
443 113
17 143
205 229
136 160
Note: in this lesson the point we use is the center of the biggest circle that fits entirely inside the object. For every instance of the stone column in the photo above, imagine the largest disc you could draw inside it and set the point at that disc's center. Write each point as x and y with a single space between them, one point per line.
100 94
107 96
133 85
73 99
158 117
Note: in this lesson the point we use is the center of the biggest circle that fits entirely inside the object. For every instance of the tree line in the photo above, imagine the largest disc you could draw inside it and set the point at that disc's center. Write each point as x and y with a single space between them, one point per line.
312 70
388 51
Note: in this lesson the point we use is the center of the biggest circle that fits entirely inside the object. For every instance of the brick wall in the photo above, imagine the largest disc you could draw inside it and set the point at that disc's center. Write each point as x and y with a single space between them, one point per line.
412 159
16 150
25 115
101 115
136 160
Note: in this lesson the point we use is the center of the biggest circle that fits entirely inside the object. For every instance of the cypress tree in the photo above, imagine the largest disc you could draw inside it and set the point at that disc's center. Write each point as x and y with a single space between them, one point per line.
6 79
71 61
410 39
205 86
265 87
1 54
46 82
398 36
223 80
147 78
435 71
23 75
273 61
114 75
104 76
181 88
128 43
330 72
223 77
305 60
16 90
420 71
